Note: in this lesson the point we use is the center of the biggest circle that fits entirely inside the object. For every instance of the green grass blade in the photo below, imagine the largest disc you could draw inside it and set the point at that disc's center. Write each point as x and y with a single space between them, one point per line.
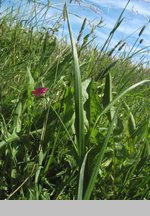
108 95
11 138
99 159
65 128
79 121
30 98
117 24
120 96
81 178
17 119
81 30
131 120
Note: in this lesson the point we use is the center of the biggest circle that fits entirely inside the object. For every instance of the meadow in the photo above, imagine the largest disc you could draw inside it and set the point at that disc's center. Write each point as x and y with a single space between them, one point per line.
74 118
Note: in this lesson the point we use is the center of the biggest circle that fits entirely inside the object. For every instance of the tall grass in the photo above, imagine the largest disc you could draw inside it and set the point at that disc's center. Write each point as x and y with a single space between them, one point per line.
88 137
79 121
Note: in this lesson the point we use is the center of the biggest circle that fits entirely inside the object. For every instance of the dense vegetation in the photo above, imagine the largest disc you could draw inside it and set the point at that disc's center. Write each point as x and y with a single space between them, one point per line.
89 136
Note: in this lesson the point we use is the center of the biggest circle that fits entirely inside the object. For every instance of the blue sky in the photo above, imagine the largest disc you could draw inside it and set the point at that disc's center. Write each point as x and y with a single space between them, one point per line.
136 15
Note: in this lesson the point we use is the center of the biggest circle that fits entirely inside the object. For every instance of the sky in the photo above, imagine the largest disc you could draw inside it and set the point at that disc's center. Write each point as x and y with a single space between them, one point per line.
136 15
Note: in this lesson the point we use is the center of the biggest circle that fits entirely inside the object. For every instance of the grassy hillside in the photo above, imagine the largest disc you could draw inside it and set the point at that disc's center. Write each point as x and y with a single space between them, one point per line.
88 136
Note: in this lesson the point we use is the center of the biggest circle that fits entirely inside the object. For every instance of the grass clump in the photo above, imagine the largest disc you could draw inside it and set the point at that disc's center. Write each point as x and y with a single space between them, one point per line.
87 137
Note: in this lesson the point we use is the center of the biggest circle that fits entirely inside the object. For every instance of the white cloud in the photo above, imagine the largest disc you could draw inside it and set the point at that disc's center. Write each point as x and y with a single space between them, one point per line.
110 3
139 7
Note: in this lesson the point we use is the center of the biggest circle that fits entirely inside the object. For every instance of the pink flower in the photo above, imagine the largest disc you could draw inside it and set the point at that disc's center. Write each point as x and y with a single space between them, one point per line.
39 91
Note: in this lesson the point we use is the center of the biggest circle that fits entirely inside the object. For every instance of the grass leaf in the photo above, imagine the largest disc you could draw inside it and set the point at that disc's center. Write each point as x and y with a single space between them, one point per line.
79 119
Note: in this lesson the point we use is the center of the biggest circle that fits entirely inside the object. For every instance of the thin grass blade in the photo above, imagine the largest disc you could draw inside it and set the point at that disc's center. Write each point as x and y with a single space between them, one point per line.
120 96
99 159
81 178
